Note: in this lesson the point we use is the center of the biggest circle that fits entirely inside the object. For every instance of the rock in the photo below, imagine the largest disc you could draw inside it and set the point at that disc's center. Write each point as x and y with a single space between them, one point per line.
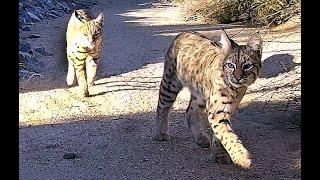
55 13
34 65
30 62
34 18
52 146
42 51
25 28
22 73
48 1
65 6
49 5
25 47
72 6
82 5
44 5
25 57
34 36
50 15
26 19
20 21
41 16
70 156
20 6
38 12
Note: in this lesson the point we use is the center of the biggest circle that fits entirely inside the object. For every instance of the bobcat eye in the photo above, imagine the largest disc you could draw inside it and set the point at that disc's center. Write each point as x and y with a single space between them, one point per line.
96 34
247 66
230 65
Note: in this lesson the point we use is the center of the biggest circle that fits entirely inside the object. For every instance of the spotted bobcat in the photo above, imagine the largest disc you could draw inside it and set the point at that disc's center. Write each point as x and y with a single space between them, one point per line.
217 75
84 42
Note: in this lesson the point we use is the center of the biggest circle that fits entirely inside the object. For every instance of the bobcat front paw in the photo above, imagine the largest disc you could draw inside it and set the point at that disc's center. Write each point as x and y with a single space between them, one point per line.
162 137
91 84
70 81
222 158
84 94
203 141
243 162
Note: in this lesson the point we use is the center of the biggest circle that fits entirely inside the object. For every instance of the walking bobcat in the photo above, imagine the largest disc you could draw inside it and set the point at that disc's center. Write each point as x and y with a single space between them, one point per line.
217 75
84 41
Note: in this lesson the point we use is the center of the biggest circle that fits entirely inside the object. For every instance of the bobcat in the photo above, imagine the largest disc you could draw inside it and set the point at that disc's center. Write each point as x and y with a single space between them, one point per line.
217 75
84 41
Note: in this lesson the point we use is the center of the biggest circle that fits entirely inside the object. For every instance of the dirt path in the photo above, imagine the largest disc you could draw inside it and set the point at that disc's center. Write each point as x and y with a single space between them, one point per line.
111 132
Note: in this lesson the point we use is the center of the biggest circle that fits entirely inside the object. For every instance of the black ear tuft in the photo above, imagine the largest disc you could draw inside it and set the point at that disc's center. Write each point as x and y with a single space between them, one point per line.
77 14
81 15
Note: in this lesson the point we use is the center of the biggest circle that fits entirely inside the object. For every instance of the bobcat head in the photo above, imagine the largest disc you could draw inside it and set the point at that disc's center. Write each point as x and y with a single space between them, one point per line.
242 63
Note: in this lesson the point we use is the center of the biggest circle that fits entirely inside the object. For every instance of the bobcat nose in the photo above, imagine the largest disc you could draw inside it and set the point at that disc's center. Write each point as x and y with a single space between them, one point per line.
238 79
237 76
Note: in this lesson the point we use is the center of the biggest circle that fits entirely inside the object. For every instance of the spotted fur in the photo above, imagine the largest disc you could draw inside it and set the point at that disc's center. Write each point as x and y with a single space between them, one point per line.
217 75
84 42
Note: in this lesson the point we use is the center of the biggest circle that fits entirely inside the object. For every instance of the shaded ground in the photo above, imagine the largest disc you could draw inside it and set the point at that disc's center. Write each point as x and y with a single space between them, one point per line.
111 132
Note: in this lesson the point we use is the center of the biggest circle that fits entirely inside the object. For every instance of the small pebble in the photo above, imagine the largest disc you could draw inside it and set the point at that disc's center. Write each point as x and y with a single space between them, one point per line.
34 36
69 156
42 51
25 28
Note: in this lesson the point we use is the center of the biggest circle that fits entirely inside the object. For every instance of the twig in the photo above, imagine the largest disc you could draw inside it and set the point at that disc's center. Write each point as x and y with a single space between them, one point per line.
284 67
34 74
238 32
268 101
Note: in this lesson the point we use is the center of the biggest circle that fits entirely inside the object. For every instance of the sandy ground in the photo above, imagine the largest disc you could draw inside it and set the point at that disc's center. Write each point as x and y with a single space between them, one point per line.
111 132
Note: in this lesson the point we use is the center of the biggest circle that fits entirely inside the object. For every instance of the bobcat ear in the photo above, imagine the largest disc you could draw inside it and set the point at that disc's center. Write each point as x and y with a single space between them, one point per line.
100 18
255 43
77 15
226 44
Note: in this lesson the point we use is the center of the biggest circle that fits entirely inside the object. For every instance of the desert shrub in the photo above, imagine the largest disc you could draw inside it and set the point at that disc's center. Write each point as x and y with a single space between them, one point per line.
274 12
255 12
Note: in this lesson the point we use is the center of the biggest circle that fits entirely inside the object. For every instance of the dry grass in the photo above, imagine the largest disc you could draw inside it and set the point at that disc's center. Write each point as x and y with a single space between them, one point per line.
255 12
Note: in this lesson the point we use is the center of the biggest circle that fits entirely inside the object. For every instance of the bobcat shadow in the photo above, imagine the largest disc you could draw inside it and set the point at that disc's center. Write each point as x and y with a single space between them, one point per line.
139 83
125 145
277 64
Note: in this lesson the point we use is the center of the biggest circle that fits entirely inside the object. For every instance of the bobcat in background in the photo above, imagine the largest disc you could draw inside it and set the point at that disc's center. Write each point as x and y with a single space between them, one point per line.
84 42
